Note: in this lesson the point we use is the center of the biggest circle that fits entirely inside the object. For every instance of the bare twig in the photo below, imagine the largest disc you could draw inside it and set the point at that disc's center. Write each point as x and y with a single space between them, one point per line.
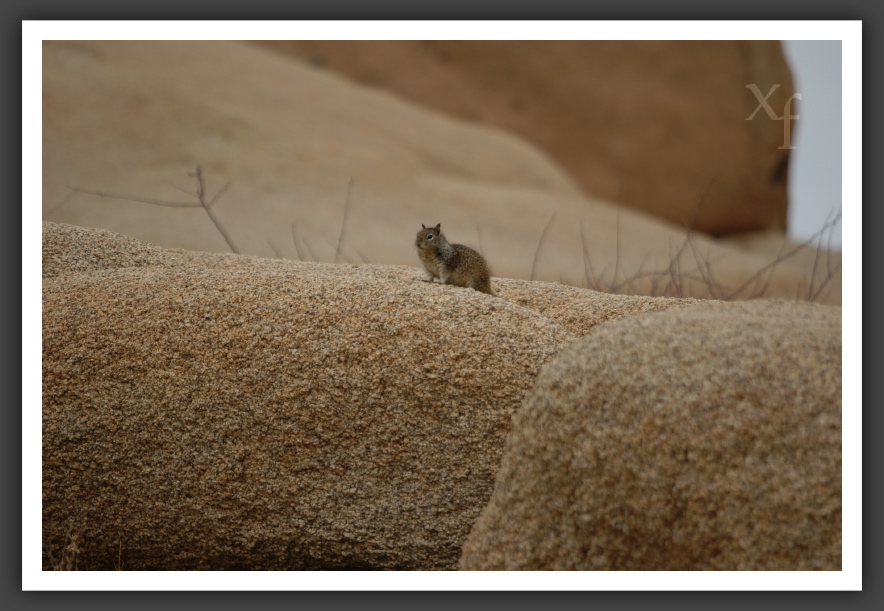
343 221
758 292
309 250
829 245
118 563
70 551
702 267
617 245
713 288
343 253
654 281
783 257
816 294
718 288
295 242
630 280
816 257
588 272
143 200
200 195
656 277
675 273
220 192
362 256
273 248
608 287
539 244
830 271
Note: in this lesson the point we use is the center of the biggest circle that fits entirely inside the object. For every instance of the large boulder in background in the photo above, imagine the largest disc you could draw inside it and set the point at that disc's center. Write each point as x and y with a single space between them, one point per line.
693 439
284 149
303 163
211 411
659 126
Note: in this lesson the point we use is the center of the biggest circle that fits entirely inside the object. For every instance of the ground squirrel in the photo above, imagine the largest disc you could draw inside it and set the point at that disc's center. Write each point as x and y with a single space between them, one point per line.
452 263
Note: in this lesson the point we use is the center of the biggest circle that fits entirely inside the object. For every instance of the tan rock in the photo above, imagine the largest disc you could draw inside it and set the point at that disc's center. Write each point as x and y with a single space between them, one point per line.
134 118
303 163
69 249
693 439
656 125
212 411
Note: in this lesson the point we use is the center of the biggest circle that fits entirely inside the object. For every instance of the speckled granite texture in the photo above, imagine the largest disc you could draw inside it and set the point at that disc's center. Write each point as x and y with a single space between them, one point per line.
206 411
693 439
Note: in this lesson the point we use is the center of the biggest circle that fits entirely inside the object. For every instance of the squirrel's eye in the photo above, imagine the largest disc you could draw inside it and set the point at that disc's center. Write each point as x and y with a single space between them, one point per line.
430 237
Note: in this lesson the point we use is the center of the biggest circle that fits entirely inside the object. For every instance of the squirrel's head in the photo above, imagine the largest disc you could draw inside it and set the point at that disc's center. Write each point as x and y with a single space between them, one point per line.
428 237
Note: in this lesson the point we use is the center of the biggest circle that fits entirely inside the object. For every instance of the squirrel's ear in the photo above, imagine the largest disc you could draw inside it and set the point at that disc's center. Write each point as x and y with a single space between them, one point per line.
424 226
437 226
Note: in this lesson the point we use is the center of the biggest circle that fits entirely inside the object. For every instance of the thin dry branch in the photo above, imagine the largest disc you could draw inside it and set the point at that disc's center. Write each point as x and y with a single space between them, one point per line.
118 563
617 245
830 270
675 274
273 248
784 257
672 280
703 268
70 551
309 250
539 244
818 292
200 195
588 272
630 281
343 221
343 254
220 192
295 242
362 256
142 200
812 293
201 192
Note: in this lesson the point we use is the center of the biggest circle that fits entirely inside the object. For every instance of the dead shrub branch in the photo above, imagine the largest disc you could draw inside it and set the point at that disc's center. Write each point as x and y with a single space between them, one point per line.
201 203
674 279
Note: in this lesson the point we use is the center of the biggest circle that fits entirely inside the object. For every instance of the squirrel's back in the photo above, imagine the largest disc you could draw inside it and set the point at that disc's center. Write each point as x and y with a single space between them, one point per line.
452 263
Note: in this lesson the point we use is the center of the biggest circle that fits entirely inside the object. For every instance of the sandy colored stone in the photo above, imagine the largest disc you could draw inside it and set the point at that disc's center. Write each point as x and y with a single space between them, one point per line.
579 310
655 125
216 411
68 249
697 438
286 146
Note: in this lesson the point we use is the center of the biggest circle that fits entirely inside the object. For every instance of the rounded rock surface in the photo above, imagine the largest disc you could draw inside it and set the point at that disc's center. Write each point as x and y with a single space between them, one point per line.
697 438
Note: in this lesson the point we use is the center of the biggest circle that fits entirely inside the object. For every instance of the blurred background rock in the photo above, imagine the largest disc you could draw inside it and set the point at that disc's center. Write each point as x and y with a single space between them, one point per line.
573 161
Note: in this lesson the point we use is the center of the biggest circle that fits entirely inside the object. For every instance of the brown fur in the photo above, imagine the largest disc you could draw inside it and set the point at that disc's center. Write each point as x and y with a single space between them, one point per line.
452 263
